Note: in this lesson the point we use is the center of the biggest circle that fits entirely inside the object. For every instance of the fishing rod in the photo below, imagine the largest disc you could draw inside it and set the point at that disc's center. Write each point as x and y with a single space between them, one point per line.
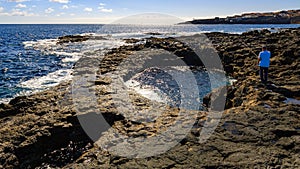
250 49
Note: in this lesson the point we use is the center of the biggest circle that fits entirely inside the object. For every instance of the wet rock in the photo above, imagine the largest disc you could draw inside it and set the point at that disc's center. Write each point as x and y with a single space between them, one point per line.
72 38
78 38
153 33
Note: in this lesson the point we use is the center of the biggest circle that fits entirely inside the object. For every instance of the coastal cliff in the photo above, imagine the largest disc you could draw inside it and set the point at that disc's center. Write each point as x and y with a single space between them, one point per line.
282 17
259 128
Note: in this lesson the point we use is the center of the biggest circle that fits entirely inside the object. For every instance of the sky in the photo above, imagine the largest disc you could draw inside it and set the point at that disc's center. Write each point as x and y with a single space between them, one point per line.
108 11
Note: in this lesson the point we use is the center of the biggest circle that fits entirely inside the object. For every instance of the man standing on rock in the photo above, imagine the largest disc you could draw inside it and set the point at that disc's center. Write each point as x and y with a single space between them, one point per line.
264 63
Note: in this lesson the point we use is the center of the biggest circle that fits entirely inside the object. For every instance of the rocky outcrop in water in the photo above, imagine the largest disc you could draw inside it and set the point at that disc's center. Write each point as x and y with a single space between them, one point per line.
78 38
259 128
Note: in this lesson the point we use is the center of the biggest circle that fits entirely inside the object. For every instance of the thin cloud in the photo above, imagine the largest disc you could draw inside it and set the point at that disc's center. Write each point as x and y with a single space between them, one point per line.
21 6
1 9
65 7
49 10
60 1
60 14
88 9
18 12
21 13
106 10
17 0
103 9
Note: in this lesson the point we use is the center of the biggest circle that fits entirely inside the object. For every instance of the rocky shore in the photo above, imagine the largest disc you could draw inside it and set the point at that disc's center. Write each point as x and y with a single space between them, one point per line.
260 127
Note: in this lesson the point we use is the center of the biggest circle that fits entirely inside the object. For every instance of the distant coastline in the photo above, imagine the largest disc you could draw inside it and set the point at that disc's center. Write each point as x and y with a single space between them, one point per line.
282 17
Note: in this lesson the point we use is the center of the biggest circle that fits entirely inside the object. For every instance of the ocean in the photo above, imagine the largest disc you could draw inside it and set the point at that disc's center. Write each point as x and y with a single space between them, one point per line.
32 61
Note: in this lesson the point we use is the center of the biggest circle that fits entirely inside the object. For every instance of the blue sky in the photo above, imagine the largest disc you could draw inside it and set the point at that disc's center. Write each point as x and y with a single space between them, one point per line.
107 11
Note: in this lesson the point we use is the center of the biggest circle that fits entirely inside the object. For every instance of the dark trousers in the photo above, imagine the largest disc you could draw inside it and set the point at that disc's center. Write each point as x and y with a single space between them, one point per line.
263 74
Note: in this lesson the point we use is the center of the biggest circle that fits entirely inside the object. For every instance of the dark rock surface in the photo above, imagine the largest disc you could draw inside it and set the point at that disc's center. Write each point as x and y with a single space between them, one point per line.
78 38
258 128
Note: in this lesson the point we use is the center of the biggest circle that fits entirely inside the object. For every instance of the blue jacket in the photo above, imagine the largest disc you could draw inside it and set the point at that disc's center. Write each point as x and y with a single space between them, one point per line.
264 57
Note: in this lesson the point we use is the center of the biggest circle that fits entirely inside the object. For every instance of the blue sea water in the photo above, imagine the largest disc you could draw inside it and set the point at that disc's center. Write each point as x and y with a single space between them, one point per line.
18 64
30 59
